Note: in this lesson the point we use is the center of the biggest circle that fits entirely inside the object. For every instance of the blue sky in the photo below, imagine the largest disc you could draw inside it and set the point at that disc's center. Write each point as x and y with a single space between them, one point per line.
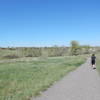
49 22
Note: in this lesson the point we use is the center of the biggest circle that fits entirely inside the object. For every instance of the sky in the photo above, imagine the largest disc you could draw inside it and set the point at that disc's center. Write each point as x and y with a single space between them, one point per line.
49 22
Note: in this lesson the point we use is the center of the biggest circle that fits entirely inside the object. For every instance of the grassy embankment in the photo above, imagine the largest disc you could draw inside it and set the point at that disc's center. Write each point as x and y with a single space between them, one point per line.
23 80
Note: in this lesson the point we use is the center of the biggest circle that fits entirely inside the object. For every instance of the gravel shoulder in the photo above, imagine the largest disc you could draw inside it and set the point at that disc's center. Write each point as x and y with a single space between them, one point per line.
81 84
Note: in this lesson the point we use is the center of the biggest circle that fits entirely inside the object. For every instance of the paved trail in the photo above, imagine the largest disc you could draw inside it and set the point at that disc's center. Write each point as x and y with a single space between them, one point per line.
81 84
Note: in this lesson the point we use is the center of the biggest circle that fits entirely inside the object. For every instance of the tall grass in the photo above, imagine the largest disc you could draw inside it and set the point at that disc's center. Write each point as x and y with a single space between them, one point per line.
33 52
23 80
98 61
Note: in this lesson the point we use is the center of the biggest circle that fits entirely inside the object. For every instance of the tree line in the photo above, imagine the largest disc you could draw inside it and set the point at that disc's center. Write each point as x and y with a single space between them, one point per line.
74 49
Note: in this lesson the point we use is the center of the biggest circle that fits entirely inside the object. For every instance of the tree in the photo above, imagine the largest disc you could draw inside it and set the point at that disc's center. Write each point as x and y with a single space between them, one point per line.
75 48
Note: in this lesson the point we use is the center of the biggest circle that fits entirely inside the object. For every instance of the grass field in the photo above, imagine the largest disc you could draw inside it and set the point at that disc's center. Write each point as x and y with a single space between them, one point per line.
98 61
25 79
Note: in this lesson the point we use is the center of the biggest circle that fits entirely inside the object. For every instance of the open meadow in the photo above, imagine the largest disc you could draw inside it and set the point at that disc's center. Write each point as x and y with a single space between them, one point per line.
21 80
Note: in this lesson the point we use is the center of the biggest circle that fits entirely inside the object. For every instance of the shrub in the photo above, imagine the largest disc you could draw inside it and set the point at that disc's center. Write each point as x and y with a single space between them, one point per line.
11 56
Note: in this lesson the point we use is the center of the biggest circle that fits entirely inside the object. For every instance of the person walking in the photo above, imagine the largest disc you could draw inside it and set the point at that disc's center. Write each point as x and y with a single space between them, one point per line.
93 61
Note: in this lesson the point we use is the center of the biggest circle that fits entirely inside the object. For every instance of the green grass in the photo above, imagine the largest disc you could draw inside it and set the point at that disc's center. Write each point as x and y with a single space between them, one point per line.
98 62
24 80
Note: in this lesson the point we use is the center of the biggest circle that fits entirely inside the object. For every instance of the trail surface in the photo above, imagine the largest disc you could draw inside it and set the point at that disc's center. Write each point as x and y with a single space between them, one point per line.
81 84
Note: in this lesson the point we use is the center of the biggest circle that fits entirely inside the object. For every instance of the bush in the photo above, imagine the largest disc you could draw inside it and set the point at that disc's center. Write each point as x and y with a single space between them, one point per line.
30 55
11 56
